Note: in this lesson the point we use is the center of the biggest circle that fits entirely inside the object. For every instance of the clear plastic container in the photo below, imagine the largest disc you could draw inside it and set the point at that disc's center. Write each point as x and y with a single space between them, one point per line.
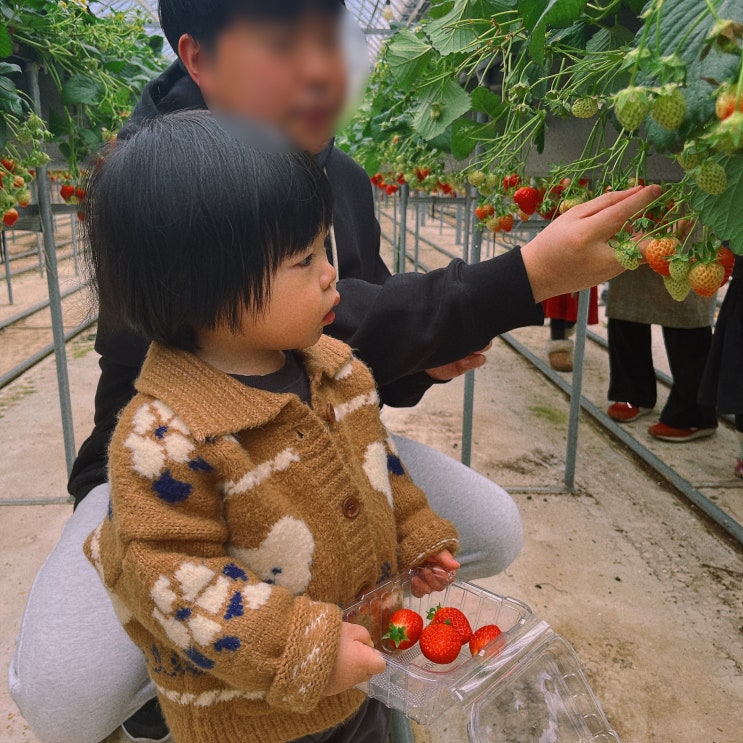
527 685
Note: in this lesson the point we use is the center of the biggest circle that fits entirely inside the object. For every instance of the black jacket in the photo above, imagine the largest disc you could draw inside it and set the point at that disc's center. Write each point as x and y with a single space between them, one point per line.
399 325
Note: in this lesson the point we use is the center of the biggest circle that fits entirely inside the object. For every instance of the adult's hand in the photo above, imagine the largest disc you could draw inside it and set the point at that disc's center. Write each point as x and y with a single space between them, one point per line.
457 368
573 252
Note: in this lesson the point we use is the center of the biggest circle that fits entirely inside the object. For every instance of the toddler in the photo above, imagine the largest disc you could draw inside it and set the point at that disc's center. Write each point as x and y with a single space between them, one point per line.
254 489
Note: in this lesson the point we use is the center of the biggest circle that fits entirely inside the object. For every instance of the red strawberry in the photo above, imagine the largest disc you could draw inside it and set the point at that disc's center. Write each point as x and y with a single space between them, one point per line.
727 258
67 191
80 193
527 199
659 251
511 181
440 643
726 104
706 278
484 636
506 222
81 216
454 617
485 212
10 217
392 189
9 165
405 629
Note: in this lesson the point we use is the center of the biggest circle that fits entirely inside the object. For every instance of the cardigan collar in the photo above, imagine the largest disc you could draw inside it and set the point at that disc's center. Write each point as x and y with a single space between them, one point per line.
212 403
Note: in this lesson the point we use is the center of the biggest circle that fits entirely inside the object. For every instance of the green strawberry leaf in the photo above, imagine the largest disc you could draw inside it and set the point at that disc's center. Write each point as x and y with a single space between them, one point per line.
407 55
439 105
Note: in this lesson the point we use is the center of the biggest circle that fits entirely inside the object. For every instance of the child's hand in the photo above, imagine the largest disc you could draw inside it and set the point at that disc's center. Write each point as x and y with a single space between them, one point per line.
425 581
573 253
357 660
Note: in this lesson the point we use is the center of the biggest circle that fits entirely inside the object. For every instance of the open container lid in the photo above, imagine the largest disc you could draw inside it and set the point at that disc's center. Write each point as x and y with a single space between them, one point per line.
544 697
527 686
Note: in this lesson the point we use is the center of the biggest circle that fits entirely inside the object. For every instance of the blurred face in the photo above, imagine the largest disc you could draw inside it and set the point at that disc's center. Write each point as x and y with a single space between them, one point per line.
290 74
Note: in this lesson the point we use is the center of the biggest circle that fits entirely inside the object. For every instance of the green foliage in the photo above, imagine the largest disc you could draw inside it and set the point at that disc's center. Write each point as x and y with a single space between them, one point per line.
98 63
522 64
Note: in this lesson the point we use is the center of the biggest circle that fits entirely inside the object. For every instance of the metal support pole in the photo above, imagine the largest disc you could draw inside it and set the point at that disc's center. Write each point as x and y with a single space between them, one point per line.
577 389
403 234
52 277
40 254
73 236
6 263
417 237
395 257
458 237
473 242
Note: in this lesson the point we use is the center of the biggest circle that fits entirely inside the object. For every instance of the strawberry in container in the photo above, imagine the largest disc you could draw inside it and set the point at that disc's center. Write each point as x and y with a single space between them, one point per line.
449 644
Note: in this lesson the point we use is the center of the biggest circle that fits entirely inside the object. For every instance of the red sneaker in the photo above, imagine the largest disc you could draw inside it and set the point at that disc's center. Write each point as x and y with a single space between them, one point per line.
739 468
625 412
678 435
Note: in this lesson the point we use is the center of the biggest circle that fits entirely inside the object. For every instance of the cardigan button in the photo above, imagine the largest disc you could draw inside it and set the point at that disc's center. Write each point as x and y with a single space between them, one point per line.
330 414
351 507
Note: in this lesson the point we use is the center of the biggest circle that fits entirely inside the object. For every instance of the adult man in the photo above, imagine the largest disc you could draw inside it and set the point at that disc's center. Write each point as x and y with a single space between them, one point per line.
284 63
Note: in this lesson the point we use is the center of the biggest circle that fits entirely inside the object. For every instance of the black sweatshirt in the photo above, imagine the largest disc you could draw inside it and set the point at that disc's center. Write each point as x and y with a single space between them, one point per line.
399 325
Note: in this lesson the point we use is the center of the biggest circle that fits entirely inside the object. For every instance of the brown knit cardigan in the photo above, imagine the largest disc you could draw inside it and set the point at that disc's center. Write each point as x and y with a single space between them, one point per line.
240 521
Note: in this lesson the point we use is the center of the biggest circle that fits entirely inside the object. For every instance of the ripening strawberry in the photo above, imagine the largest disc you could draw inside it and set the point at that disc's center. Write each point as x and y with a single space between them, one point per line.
678 268
440 643
690 157
725 105
483 636
669 109
24 198
493 224
726 257
711 177
631 106
10 217
584 108
706 278
511 181
67 191
527 199
477 178
523 216
628 254
658 253
567 204
727 135
506 222
454 617
484 212
678 288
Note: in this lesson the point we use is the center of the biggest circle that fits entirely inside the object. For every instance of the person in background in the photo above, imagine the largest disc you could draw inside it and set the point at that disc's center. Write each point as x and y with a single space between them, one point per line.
562 312
637 300
722 381
76 675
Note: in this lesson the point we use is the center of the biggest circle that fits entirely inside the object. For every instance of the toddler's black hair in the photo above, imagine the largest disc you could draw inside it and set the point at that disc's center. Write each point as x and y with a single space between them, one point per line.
188 220
204 20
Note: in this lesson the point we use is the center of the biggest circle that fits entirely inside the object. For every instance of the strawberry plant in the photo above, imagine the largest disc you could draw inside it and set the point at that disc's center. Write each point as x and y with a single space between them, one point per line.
98 64
659 77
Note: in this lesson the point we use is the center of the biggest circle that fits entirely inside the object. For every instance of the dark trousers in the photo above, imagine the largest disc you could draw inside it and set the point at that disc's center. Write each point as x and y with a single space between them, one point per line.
632 374
371 724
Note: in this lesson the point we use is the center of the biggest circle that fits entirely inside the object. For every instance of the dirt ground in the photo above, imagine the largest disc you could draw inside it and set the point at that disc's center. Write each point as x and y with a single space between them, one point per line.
647 593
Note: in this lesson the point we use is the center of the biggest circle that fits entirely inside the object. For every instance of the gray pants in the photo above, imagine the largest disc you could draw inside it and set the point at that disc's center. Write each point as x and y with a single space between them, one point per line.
76 675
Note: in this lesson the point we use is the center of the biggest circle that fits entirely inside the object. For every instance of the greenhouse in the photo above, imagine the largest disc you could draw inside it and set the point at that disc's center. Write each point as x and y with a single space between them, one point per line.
371 371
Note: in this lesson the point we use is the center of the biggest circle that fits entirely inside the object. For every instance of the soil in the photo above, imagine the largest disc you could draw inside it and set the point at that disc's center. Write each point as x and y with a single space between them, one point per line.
647 592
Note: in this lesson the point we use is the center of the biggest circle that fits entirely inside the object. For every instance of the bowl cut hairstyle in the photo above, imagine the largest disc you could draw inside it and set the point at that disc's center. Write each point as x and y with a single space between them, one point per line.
204 20
189 219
